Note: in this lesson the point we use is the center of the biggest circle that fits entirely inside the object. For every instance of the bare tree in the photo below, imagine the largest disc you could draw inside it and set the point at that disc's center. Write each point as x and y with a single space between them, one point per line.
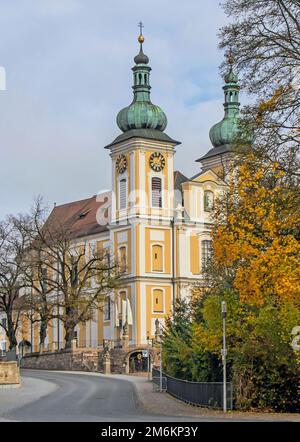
13 244
264 39
69 280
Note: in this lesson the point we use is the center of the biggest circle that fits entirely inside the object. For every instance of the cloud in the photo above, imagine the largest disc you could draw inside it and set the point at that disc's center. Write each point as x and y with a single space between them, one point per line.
68 74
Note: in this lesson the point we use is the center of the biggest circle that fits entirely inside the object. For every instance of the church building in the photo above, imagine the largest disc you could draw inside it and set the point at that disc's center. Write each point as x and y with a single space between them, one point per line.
155 219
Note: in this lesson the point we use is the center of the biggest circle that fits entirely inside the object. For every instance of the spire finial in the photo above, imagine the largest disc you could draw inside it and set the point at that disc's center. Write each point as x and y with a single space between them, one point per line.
230 58
141 38
230 76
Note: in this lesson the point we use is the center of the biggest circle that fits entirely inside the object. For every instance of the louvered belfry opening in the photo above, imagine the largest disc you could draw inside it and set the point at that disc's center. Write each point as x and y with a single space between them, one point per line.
156 192
123 194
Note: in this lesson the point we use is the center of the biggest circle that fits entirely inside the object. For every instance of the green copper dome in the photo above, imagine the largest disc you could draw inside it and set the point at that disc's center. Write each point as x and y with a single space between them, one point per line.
141 113
224 132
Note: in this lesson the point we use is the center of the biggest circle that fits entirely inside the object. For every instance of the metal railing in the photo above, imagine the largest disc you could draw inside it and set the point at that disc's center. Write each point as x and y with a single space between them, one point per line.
159 382
204 394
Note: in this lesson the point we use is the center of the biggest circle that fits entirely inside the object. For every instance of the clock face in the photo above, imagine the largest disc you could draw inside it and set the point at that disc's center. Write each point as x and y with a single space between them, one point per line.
157 161
121 164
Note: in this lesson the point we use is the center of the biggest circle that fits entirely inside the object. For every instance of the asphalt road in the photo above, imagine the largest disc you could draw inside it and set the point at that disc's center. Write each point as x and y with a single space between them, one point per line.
49 396
76 397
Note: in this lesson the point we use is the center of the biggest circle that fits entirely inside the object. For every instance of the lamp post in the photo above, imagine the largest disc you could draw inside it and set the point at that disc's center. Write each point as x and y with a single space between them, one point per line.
160 362
148 359
223 352
158 339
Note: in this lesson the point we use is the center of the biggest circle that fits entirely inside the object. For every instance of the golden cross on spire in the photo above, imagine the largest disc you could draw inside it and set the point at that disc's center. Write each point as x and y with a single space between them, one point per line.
141 38
141 27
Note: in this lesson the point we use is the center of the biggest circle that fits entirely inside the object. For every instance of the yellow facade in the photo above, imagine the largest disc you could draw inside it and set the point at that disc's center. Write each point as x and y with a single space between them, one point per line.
159 249
159 232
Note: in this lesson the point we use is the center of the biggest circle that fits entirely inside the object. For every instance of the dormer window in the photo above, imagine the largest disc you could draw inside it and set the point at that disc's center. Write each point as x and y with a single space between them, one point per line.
208 200
83 214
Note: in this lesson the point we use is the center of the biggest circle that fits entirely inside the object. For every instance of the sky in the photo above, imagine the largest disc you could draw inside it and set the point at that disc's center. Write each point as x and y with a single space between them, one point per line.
68 73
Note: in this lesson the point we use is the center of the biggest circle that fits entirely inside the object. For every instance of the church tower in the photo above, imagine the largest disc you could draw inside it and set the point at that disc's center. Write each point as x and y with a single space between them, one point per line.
222 134
143 205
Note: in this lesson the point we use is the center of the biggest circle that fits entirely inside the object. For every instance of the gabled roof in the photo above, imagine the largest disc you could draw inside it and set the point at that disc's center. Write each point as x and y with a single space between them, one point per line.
79 218
207 175
179 178
215 151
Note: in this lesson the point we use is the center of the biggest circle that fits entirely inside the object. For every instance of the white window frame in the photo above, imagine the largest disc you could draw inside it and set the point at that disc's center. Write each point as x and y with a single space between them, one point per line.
201 252
124 245
104 307
161 176
163 258
213 202
122 178
164 300
119 298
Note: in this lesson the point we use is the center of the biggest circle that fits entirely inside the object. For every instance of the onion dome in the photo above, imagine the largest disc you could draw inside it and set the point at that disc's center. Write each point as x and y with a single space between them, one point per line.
224 132
141 113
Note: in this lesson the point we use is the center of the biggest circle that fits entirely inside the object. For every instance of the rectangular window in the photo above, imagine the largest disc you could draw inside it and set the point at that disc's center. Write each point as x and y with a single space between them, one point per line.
206 251
123 259
156 192
106 309
123 194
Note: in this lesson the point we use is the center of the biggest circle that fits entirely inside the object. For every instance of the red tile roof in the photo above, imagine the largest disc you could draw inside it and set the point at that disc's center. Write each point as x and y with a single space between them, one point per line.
80 218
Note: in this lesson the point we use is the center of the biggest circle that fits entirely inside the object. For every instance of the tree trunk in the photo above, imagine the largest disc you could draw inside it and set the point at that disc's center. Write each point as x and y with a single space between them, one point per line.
70 335
10 333
43 333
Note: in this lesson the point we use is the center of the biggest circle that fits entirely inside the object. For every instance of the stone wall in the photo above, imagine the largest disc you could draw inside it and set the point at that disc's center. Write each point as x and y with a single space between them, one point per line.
78 360
119 358
9 373
84 360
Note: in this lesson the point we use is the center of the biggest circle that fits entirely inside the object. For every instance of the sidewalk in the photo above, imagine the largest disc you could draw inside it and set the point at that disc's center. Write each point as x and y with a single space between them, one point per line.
155 402
30 390
163 403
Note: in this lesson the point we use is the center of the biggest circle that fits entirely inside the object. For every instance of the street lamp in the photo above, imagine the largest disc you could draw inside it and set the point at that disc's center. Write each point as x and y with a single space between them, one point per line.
223 353
160 364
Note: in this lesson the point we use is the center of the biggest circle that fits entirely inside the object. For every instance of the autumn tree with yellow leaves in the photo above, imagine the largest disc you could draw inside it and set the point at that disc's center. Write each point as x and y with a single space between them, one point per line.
255 268
256 232
255 265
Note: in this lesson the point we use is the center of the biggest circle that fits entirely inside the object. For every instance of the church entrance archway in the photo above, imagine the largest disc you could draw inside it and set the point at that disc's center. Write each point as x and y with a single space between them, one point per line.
138 362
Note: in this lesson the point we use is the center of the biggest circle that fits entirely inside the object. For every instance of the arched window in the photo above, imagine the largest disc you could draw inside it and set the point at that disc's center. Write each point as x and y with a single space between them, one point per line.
123 194
158 301
157 258
208 200
156 192
123 258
